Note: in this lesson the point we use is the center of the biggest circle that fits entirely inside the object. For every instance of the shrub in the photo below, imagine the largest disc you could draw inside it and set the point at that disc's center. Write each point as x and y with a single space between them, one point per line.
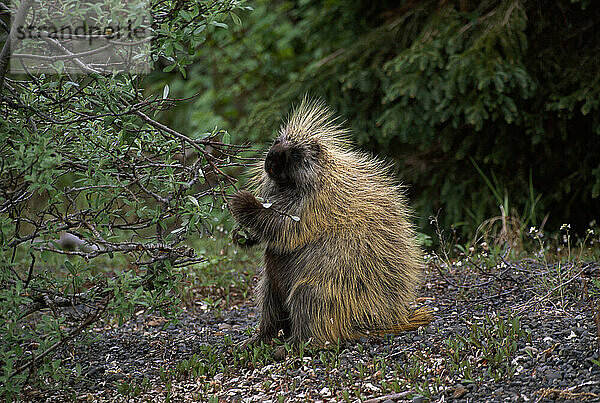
454 91
97 196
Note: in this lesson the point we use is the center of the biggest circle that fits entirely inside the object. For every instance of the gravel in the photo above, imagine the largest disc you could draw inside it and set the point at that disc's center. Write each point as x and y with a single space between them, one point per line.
556 363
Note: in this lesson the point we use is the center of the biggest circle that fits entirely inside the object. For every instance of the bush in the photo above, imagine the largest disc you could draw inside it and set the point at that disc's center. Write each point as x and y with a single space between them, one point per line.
480 103
97 196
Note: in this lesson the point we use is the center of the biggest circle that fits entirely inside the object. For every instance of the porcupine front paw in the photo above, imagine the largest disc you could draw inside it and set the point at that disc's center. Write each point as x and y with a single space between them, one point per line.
241 204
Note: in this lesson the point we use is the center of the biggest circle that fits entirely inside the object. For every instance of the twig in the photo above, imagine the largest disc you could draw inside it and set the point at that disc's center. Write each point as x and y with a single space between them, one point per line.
63 57
30 273
540 299
82 66
393 396
162 128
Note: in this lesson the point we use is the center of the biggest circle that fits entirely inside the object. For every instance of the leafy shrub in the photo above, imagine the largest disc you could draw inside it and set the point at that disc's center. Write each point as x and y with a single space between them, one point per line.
455 92
97 196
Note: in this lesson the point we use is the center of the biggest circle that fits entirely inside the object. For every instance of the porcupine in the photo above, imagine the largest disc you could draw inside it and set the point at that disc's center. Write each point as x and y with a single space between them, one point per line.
341 259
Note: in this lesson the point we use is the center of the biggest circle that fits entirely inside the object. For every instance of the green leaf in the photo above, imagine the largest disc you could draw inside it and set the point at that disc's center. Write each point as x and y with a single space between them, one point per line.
70 267
219 24
235 18
194 201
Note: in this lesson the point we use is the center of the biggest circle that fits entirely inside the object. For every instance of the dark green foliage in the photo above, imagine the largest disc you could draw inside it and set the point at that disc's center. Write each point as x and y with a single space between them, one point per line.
510 87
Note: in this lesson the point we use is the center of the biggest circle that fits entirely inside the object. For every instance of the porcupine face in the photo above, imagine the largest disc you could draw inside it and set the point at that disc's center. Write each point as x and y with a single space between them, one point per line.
288 162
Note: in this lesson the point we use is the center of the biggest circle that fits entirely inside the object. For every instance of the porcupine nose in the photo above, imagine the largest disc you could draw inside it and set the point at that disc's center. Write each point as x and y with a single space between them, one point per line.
275 162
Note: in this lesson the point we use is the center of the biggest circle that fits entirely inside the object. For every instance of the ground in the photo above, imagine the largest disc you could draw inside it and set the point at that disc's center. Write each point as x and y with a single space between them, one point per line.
503 331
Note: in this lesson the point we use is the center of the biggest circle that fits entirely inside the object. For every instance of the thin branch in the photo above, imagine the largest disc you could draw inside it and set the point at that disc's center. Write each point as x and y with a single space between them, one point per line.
63 57
82 66
89 320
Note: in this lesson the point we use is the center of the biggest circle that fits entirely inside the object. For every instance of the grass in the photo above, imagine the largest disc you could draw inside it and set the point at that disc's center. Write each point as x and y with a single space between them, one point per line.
492 343
485 351
225 279
134 388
